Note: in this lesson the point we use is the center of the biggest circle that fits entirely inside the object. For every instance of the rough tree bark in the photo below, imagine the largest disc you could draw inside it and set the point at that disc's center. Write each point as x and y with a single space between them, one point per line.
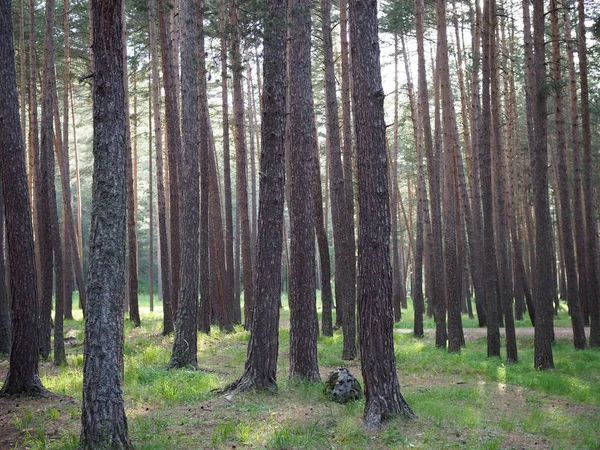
451 151
240 148
103 422
485 170
303 314
563 188
174 150
186 330
22 375
261 361
378 362
593 276
436 294
5 325
165 271
543 226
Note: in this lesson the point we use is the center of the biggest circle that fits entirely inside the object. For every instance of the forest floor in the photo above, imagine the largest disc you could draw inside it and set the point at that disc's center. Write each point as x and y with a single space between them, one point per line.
462 400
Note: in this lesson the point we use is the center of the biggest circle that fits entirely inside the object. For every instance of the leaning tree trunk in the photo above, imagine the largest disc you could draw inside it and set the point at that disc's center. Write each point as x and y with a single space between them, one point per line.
103 422
22 375
261 363
378 362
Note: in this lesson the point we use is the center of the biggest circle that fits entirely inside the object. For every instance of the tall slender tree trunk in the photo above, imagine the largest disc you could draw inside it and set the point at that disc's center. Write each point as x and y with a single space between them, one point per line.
579 218
5 325
322 241
57 243
348 314
303 315
343 228
473 162
34 145
150 204
235 306
204 311
240 148
186 330
103 421
485 170
543 226
165 271
174 150
436 252
260 371
563 188
47 202
22 377
593 276
502 236
378 362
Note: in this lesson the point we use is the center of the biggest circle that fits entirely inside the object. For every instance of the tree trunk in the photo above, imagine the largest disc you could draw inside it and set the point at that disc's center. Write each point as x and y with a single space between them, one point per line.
204 311
451 151
393 166
47 202
322 241
150 204
235 306
165 272
240 146
543 226
485 161
132 266
593 277
174 150
22 377
563 188
435 254
186 330
343 228
261 362
348 315
502 236
5 325
57 244
34 145
303 315
378 362
579 230
103 421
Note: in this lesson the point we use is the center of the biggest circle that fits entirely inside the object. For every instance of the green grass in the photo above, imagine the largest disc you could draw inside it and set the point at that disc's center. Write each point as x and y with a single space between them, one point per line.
463 400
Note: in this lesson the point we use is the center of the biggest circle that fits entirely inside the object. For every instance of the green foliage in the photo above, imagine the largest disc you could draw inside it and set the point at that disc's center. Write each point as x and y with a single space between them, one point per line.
462 400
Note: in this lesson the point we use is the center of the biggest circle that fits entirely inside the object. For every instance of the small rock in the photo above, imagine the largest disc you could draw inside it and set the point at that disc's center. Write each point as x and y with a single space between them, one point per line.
342 387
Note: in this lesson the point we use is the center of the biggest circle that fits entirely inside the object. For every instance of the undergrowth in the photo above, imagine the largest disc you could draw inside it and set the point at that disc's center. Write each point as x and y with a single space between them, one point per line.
463 400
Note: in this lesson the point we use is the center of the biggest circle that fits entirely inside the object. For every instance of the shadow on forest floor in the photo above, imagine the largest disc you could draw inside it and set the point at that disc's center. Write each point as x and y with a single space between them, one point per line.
463 401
